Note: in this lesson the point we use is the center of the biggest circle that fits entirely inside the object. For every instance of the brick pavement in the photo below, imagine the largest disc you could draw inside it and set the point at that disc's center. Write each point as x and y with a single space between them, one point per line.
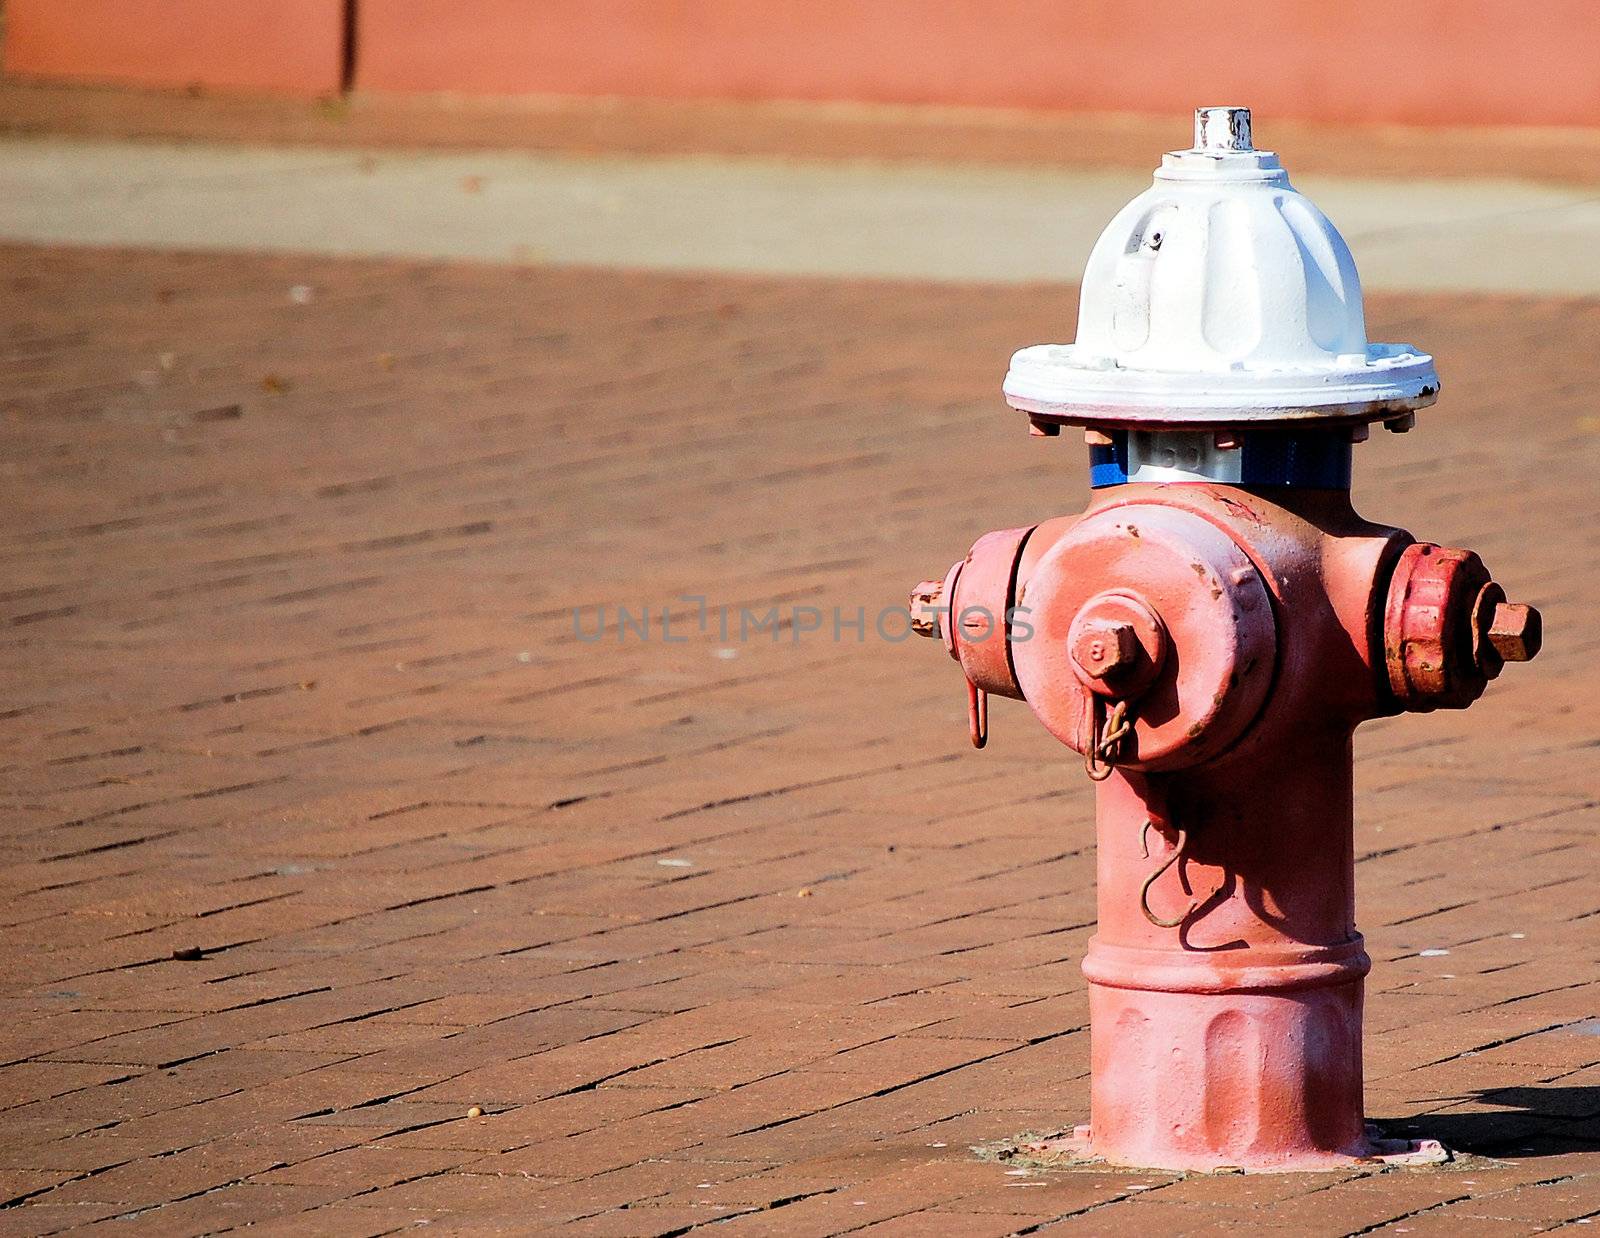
711 929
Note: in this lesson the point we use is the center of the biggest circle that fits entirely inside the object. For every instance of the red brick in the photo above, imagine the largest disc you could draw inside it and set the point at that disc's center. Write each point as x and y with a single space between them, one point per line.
263 660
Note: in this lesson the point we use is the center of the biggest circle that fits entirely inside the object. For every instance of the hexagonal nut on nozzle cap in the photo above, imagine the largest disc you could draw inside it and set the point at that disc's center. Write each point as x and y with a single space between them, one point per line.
924 599
1106 648
1516 631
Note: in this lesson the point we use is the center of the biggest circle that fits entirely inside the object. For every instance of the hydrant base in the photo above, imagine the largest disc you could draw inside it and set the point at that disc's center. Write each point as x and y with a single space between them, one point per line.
1264 1074
1077 1149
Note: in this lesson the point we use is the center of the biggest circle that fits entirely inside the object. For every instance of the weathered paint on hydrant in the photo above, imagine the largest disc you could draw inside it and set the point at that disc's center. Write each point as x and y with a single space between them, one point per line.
1208 634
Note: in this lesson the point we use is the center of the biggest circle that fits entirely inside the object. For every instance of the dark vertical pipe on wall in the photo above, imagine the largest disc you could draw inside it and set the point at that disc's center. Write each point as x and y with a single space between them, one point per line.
347 65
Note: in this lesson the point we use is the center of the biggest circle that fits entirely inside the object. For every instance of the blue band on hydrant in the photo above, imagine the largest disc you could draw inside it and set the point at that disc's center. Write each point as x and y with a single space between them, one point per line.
1313 459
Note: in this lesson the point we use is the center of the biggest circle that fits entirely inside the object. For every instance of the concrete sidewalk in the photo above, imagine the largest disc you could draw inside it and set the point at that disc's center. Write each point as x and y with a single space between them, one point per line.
709 214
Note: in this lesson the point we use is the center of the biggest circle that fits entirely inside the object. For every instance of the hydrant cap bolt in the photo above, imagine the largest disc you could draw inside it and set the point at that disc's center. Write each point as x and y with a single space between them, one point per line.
1106 650
1516 631
924 598
1115 645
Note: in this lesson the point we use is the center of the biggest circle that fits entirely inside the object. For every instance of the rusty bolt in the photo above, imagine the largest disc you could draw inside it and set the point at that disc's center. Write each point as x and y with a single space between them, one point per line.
924 618
1106 649
1516 631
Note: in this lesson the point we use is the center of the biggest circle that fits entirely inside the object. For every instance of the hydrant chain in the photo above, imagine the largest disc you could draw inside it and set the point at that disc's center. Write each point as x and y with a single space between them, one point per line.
1107 733
1144 890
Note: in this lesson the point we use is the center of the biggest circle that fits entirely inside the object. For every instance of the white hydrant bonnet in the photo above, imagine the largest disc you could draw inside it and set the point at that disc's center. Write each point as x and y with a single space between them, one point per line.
1220 296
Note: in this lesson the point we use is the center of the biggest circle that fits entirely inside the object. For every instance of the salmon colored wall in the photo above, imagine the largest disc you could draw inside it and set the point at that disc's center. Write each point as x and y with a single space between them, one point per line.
288 46
1416 61
1408 61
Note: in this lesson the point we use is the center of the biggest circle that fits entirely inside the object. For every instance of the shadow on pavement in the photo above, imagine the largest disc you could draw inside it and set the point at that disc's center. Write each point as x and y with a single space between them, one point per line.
1524 1121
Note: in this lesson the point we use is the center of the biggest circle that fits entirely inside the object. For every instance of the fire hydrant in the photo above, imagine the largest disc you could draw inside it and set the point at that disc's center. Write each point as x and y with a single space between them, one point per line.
1208 634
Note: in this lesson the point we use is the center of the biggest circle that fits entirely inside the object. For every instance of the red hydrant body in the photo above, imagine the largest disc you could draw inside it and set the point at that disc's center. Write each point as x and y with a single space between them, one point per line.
1210 645
1234 1037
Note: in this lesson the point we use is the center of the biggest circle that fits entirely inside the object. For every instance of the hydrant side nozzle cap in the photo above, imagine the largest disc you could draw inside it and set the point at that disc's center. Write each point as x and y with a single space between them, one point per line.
1220 295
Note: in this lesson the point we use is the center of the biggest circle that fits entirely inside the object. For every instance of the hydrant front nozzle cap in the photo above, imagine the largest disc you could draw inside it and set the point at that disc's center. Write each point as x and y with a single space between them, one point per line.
1220 296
